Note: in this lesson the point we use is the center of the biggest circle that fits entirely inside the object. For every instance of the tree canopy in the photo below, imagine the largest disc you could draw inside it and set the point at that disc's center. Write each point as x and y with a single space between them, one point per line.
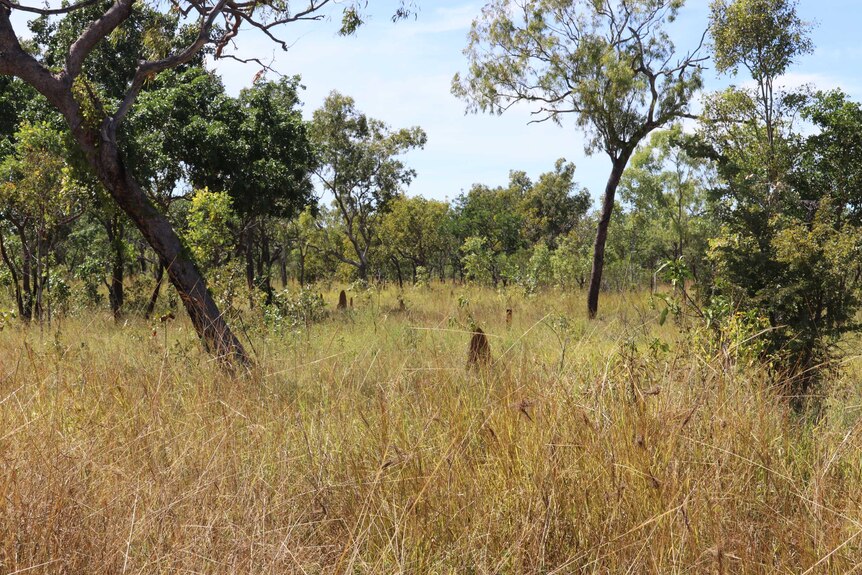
608 63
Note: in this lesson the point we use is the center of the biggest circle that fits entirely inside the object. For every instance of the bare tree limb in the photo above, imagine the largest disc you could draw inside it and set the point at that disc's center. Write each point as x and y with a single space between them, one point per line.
47 11
95 33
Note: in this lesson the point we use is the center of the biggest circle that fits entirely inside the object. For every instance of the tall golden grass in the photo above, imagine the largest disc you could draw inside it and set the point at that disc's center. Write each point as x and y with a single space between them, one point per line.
364 445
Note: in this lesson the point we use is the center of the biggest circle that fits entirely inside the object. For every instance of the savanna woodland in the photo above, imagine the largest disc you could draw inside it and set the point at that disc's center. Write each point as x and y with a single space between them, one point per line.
231 339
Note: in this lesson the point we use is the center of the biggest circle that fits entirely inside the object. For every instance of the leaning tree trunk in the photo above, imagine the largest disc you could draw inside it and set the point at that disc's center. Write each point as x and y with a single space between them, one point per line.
151 305
209 323
602 233
99 145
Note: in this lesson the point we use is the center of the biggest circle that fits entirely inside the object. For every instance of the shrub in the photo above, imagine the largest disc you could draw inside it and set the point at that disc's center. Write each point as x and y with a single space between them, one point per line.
291 311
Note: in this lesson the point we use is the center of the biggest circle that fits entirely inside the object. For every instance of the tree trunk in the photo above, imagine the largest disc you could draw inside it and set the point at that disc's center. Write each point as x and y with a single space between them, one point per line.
302 252
99 145
151 306
282 262
397 267
209 323
26 277
116 294
602 233
264 266
115 289
11 267
248 249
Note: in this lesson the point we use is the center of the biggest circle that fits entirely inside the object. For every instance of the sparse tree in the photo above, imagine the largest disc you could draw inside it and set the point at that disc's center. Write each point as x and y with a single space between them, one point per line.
610 63
359 167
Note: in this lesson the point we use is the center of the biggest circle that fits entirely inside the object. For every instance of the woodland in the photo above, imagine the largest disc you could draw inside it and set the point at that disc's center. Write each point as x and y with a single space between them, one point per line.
231 339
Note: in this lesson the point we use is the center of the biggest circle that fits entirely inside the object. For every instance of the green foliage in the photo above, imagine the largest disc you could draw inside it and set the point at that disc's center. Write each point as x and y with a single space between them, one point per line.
90 274
60 294
290 311
423 277
571 260
665 191
787 251
256 148
33 184
514 218
554 205
763 36
611 64
492 213
414 229
540 270
14 96
229 288
359 166
210 222
677 274
478 261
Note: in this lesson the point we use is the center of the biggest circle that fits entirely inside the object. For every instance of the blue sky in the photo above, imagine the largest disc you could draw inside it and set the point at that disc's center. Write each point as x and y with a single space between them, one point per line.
401 73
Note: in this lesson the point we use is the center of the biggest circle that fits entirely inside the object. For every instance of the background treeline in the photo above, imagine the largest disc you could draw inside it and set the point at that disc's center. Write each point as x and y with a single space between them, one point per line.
264 200
753 213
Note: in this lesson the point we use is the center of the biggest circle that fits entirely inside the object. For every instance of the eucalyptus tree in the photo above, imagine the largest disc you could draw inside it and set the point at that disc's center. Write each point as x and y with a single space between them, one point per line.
94 122
666 190
749 133
763 37
787 249
609 63
358 166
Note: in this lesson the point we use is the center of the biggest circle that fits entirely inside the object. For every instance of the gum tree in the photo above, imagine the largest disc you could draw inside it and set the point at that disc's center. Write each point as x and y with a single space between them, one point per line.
94 124
359 165
609 63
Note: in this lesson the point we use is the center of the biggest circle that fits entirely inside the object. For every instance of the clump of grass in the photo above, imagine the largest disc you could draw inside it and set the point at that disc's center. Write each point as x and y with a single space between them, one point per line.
366 447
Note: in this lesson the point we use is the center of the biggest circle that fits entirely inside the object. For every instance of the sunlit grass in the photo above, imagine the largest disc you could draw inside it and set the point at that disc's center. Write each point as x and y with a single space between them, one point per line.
363 445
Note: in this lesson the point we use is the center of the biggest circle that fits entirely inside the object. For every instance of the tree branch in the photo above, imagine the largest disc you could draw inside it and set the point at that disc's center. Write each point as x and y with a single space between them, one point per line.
15 61
95 33
149 69
47 11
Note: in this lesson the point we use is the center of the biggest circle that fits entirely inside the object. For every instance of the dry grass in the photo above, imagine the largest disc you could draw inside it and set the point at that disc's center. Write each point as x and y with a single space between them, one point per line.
363 445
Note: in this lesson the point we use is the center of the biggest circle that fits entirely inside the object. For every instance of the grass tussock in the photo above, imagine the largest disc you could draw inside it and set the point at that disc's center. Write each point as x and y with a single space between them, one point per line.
364 445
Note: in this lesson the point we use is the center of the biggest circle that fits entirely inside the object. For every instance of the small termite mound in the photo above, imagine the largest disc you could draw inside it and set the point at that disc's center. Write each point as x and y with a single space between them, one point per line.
342 300
479 353
509 318
351 302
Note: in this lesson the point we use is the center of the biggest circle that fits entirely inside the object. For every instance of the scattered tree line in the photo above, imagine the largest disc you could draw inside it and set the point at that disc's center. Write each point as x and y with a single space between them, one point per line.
123 161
